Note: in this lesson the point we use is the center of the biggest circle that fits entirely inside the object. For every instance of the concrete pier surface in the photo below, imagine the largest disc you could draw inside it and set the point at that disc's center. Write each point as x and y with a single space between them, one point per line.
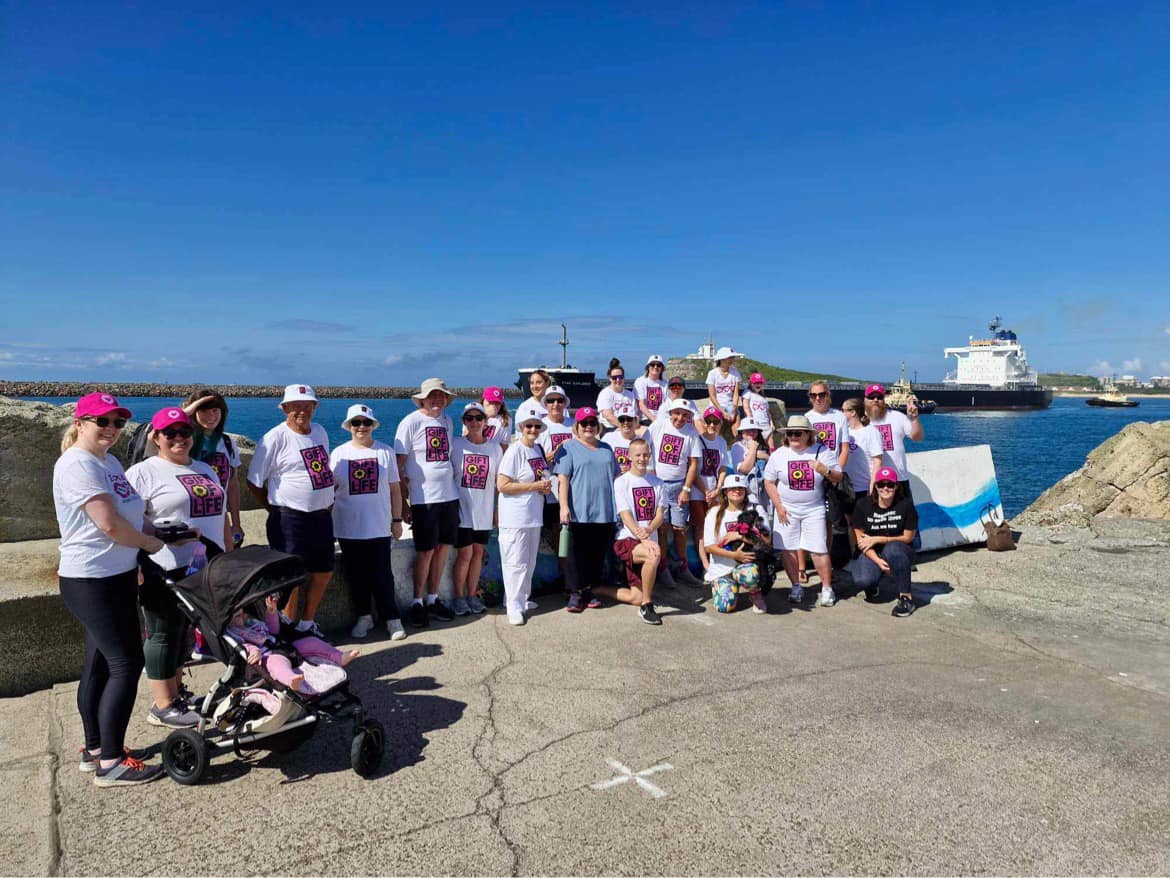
1018 723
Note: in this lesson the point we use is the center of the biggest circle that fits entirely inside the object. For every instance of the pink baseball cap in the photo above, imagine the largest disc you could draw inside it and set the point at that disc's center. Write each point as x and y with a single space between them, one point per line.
756 378
875 388
886 474
168 417
584 413
94 405
712 412
493 394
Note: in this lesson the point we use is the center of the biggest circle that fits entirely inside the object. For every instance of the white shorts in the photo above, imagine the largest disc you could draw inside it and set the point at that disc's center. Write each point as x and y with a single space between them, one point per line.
805 530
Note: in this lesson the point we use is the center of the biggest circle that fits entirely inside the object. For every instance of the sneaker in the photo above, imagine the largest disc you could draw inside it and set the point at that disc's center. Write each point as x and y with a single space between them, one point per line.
665 578
177 716
576 605
796 595
529 606
417 616
476 605
460 607
309 628
89 762
592 601
827 598
515 617
871 593
758 603
128 772
395 630
440 611
904 607
649 614
362 627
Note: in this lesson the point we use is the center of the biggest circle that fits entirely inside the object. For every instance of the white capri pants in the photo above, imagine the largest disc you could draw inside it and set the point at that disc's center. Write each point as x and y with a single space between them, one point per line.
805 530
518 549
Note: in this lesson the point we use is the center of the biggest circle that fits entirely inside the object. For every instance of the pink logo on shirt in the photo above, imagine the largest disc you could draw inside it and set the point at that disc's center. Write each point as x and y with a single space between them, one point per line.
205 494
539 467
363 476
653 398
219 463
827 433
710 465
122 489
670 449
887 436
556 440
800 475
317 466
475 471
438 449
489 431
644 503
622 456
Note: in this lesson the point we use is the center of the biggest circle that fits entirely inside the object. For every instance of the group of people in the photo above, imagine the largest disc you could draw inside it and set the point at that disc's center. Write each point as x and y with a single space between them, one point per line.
614 488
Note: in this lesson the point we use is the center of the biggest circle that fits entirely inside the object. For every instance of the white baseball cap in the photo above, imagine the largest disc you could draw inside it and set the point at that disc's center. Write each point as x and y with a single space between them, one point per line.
557 390
474 407
681 405
298 393
359 410
735 480
654 358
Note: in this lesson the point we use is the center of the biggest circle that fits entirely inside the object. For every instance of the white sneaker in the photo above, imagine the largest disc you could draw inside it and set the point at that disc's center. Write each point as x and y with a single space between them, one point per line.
515 617
362 627
394 626
531 605
827 597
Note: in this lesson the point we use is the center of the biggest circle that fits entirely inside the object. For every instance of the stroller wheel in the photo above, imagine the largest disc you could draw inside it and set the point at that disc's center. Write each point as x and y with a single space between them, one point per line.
184 756
365 753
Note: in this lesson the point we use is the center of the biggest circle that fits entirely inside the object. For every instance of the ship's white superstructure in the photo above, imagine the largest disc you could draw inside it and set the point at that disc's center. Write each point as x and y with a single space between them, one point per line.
998 361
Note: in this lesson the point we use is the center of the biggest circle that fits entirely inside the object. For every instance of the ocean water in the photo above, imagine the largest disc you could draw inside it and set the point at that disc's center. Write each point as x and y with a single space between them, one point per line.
1031 450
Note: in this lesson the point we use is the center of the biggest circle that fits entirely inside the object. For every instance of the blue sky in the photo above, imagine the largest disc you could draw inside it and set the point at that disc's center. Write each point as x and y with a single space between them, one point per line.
370 194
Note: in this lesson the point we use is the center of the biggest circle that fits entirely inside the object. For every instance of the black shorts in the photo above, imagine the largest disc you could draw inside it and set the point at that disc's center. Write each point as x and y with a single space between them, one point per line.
552 516
308 535
434 524
467 536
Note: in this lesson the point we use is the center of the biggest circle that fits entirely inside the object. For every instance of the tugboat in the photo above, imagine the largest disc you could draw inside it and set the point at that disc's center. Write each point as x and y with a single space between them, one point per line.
577 383
901 392
1112 398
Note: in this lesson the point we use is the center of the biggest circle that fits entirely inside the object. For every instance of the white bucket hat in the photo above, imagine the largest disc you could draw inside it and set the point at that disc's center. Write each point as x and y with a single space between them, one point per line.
799 422
735 480
431 385
359 410
724 352
298 393
531 412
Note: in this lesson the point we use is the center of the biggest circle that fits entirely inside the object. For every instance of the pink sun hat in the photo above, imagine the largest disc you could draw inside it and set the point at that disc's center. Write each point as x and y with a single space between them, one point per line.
168 417
94 405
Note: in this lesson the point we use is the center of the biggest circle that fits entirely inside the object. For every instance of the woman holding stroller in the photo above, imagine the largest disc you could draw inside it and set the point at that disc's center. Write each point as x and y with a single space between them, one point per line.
100 516
178 489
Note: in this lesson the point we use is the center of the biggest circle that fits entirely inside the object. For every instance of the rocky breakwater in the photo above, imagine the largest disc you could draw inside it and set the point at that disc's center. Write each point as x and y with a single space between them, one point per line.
30 443
1127 476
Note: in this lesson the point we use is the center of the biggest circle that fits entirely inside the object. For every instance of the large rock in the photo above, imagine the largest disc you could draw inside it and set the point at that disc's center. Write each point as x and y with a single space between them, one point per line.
1127 476
30 443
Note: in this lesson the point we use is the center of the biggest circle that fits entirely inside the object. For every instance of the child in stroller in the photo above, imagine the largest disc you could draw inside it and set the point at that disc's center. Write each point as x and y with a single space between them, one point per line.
280 650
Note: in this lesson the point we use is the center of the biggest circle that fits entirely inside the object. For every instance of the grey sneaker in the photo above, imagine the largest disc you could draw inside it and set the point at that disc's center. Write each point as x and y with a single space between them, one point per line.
796 595
128 772
362 627
460 607
395 630
476 605
177 716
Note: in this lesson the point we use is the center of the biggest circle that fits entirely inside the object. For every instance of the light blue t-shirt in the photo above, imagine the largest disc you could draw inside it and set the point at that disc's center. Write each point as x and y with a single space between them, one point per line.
591 472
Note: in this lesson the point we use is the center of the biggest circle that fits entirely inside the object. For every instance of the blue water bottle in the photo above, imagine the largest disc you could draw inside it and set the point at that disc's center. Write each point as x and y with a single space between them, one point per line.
198 560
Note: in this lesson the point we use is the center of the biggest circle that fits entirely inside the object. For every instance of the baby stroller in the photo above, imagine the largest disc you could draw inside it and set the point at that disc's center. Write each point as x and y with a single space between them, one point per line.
209 599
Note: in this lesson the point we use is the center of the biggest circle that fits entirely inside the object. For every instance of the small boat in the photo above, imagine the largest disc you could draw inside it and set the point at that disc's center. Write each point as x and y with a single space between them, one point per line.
901 392
1112 398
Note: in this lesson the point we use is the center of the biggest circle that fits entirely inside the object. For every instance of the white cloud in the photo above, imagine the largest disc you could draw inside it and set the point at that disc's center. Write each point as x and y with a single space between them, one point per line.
1102 368
110 358
1166 330
1134 365
392 359
1164 365
7 355
162 363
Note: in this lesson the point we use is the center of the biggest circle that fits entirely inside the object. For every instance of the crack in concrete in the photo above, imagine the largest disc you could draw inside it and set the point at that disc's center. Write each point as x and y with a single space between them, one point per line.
56 739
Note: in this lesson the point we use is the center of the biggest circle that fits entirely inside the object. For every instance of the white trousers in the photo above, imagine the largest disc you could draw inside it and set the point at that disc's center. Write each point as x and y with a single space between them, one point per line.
518 550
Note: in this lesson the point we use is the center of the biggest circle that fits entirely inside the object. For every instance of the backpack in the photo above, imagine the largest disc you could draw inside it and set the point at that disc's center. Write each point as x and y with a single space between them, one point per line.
140 446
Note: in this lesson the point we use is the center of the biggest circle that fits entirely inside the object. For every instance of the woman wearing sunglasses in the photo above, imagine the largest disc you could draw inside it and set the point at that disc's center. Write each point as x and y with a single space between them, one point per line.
723 385
367 515
884 524
499 421
616 399
476 461
100 516
174 488
794 478
712 470
651 389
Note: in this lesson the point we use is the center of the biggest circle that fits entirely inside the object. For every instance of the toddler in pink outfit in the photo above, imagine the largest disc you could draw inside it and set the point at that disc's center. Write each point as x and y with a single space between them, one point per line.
259 638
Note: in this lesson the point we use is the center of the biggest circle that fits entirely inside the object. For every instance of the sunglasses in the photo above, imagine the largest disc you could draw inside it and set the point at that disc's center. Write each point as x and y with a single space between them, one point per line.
467 418
361 422
104 422
178 432
791 433
590 423
617 377
622 419
817 395
889 485
875 396
556 400
531 426
712 422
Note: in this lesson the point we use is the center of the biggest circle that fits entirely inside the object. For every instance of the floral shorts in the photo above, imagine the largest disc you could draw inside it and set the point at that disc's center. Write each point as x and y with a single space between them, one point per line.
725 591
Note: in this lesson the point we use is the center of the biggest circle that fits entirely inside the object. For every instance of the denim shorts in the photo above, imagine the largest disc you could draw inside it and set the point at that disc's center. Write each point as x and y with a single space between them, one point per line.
677 513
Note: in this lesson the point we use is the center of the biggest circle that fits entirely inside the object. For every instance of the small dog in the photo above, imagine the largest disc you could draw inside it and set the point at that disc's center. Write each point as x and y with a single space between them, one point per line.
755 537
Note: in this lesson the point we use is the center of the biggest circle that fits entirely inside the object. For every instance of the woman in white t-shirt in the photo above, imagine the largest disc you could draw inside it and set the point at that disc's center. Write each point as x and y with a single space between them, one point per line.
176 489
212 445
367 516
538 384
475 460
651 389
732 571
756 406
712 471
795 480
723 385
616 399
748 457
619 440
100 517
499 421
523 483
865 455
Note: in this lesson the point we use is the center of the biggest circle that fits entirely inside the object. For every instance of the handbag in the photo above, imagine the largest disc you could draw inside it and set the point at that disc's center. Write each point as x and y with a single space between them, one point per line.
999 535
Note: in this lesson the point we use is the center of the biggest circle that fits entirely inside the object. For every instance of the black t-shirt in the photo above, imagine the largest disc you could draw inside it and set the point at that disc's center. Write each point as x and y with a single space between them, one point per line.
878 522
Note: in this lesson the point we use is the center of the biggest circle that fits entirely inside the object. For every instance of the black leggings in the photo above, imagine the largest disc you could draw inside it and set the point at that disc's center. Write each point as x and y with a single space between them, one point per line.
369 574
108 608
587 553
